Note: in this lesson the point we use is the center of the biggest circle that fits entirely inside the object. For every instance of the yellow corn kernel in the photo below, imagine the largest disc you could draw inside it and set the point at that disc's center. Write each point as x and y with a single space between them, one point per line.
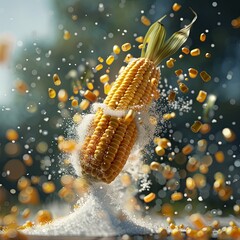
196 126
195 52
187 149
62 95
140 46
176 7
27 159
168 116
171 96
74 103
197 220
43 217
203 168
66 35
100 59
107 88
90 86
150 197
219 156
96 92
51 93
48 187
205 128
126 47
104 78
203 37
164 143
155 166
12 135
160 151
225 193
208 55
84 104
116 49
179 72
185 50
183 87
56 79
190 183
170 63
192 72
201 96
128 58
205 76
26 213
177 196
228 134
110 60
99 67
139 39
181 56
90 96
145 21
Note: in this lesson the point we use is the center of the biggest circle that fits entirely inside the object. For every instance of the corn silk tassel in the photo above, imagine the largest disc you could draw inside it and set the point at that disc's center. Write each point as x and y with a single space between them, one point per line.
110 138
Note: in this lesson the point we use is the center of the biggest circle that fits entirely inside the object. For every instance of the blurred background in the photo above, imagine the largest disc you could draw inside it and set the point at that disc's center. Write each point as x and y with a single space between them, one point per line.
39 38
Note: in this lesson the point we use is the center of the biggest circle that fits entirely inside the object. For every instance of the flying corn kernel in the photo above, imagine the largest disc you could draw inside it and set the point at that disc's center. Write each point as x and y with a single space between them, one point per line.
203 37
149 198
185 50
126 47
201 97
196 126
98 67
205 76
90 96
110 60
100 59
116 49
195 52
176 7
104 78
56 79
51 93
139 39
192 72
145 21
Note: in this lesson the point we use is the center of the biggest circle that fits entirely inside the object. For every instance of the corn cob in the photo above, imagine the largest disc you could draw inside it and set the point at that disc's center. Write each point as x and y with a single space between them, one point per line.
107 147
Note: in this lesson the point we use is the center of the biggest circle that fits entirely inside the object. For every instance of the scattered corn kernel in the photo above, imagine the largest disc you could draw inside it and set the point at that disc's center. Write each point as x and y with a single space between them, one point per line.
12 135
185 50
219 156
179 72
90 96
74 103
155 166
183 87
104 78
201 97
168 116
190 183
139 39
140 46
196 126
150 197
84 104
177 196
176 7
171 96
160 151
195 52
228 134
192 72
116 49
27 159
197 221
43 217
48 187
51 93
56 79
62 95
170 63
203 37
145 21
100 59
66 35
90 86
205 76
126 47
187 149
26 213
164 143
208 55
98 67
110 60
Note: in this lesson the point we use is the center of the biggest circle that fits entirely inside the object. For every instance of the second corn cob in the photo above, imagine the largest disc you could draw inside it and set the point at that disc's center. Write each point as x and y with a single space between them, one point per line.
107 146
